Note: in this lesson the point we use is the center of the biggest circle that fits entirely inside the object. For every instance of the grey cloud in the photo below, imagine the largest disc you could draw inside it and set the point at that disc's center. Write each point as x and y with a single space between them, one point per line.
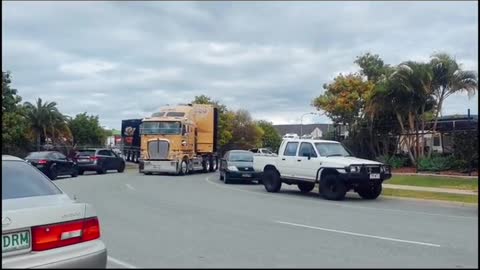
126 59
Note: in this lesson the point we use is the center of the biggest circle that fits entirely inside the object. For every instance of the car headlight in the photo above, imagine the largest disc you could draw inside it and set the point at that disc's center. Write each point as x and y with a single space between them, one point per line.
232 168
355 168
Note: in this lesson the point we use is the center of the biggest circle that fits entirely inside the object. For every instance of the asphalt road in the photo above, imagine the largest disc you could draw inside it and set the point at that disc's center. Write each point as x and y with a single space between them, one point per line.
197 221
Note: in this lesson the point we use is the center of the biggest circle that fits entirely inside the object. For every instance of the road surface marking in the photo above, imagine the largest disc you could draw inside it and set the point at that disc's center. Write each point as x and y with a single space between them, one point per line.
342 205
124 264
359 234
130 187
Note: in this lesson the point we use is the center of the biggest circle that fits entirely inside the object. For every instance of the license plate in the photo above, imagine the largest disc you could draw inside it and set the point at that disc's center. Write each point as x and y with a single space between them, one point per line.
375 176
15 241
246 175
83 160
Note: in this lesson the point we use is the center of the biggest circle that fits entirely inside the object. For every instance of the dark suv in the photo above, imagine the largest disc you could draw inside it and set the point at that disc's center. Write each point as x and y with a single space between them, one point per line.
98 159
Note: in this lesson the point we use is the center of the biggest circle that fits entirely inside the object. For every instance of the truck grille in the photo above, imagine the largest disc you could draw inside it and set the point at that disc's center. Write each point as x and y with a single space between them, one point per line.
158 149
372 169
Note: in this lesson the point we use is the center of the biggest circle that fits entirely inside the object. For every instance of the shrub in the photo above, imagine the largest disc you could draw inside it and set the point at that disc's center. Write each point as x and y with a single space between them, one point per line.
394 161
437 163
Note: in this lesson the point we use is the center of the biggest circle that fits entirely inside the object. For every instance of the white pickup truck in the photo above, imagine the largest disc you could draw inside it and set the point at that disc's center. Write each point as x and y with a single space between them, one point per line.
305 162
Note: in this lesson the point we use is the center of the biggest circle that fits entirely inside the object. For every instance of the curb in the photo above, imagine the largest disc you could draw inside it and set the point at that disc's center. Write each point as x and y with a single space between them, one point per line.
437 175
473 205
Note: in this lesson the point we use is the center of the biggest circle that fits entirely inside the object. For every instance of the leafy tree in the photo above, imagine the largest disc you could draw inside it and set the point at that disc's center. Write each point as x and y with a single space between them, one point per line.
45 121
372 66
245 133
86 130
450 78
270 138
14 125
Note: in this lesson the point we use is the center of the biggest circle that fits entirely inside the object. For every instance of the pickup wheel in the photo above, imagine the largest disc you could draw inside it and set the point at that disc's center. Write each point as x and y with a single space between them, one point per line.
370 192
332 188
271 181
306 187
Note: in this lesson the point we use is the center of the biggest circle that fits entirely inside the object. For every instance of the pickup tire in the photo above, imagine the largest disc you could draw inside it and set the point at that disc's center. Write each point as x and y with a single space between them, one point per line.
271 180
306 187
370 192
332 188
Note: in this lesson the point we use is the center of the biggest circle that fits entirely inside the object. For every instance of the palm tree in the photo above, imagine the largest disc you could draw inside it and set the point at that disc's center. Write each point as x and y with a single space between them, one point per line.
44 119
449 78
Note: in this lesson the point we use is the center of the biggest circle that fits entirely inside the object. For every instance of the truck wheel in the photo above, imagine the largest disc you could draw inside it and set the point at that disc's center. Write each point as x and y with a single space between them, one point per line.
271 181
332 188
306 187
206 164
370 192
213 163
183 168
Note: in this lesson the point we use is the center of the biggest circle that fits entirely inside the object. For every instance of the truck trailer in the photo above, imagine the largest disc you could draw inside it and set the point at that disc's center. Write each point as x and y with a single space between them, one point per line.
130 143
179 140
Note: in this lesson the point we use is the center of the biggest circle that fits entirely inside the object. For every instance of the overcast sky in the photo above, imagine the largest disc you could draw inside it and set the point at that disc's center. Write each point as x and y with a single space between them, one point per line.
122 60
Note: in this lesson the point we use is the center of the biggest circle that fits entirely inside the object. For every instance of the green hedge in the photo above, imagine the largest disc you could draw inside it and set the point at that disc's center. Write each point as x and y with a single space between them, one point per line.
437 163
394 161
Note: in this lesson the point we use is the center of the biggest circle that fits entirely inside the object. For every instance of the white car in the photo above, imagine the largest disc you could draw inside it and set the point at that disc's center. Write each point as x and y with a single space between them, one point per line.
41 226
305 162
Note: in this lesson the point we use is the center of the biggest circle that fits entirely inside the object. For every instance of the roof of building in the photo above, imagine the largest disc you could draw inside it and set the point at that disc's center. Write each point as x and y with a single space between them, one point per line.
306 129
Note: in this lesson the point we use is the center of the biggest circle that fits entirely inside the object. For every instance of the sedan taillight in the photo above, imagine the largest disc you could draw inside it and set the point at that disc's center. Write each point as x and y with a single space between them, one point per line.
63 234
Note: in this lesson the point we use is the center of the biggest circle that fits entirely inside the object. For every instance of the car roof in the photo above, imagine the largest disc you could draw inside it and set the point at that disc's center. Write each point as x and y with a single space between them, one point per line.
11 158
309 140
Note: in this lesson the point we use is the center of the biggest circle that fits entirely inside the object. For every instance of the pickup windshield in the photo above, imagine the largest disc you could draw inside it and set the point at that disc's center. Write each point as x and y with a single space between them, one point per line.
331 149
170 128
241 157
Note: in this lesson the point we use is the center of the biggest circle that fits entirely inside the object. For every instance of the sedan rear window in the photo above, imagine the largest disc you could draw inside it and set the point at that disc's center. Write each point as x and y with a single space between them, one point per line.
241 156
38 155
20 180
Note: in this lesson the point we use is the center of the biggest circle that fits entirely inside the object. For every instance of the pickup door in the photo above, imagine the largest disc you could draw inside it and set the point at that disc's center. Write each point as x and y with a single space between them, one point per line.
287 163
307 161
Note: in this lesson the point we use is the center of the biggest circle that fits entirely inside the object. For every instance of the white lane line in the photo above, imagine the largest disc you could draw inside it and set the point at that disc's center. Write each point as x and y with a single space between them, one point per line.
359 234
129 186
345 205
116 261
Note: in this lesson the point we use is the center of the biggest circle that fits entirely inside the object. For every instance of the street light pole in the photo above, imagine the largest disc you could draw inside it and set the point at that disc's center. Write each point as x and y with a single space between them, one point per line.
301 123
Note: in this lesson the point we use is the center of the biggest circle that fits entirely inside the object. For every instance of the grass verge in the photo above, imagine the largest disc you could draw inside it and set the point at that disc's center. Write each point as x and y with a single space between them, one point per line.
434 181
430 195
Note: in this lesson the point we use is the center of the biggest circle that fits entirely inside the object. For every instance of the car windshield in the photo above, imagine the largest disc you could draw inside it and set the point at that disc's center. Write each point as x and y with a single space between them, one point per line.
86 153
20 180
332 149
242 157
171 128
38 155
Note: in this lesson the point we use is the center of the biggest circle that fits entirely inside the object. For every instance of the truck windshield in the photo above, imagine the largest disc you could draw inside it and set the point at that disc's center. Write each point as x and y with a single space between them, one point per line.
171 128
331 149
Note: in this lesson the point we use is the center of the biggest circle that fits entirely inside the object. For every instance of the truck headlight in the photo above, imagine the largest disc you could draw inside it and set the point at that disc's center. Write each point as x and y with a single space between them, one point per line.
354 169
386 168
232 168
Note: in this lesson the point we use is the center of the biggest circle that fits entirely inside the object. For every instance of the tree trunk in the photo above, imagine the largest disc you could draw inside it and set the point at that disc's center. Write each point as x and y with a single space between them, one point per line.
407 138
439 109
38 141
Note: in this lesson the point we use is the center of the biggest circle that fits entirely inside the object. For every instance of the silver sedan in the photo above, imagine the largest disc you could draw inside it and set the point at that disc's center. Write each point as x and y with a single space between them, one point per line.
42 227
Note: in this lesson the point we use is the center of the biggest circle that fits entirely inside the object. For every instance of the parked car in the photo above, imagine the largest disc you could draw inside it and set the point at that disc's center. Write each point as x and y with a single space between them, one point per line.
237 165
99 159
53 163
305 162
42 226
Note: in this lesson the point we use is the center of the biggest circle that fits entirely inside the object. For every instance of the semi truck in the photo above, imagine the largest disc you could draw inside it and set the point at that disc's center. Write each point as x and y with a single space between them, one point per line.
130 143
180 139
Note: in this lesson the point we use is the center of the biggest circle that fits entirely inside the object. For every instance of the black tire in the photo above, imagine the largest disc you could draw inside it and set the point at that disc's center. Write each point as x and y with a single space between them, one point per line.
226 180
74 172
221 176
213 163
306 187
122 168
80 172
271 180
206 164
148 173
102 170
52 173
370 192
332 188
183 170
